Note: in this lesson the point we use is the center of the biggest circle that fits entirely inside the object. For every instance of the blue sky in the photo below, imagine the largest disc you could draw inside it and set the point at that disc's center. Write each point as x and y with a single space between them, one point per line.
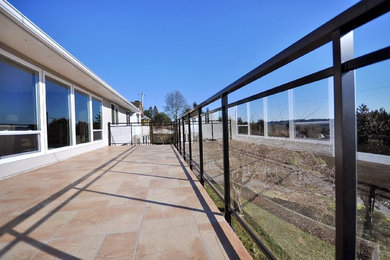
197 47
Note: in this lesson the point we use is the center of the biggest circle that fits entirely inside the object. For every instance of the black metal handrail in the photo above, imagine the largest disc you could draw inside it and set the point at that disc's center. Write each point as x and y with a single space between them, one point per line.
344 109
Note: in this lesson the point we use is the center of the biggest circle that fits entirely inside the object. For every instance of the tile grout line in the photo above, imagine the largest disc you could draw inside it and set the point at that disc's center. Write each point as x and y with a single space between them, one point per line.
100 246
200 236
140 227
55 233
51 238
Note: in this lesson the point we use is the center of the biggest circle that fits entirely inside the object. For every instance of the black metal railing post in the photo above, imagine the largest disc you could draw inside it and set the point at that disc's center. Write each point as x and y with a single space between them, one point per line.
131 133
226 166
175 134
345 148
200 133
109 134
178 127
230 128
212 130
189 141
184 139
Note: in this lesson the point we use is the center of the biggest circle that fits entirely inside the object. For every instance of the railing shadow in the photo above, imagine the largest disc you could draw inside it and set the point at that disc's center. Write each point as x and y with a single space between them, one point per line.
230 251
8 227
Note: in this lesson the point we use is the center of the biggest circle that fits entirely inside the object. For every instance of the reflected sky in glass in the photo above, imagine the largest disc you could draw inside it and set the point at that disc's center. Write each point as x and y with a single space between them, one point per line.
58 114
57 101
81 101
17 96
82 117
96 113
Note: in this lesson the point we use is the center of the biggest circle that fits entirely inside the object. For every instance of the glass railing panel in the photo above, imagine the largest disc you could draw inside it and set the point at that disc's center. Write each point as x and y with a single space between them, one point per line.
283 188
373 160
372 36
212 150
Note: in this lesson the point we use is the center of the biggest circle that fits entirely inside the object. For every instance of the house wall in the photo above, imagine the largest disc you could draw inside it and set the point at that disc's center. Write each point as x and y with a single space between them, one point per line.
17 163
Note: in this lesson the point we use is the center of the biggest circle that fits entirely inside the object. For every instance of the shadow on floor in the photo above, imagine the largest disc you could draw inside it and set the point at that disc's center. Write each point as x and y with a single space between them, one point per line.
230 251
8 227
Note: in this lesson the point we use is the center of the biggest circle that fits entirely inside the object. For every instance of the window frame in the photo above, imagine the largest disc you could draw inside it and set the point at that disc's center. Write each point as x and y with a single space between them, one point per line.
114 120
90 122
71 108
39 112
92 96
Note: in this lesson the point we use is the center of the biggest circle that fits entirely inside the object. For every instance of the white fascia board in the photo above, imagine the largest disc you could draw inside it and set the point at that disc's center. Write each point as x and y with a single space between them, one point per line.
16 16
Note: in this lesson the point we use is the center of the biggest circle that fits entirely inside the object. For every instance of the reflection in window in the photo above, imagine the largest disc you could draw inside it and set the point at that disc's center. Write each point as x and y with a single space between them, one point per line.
15 144
242 119
97 119
256 119
127 117
18 108
82 117
112 114
311 111
57 113
18 98
278 122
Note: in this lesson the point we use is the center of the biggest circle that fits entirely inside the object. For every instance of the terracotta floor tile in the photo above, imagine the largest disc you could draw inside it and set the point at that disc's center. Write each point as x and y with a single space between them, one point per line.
141 202
101 221
83 248
117 246
159 239
21 251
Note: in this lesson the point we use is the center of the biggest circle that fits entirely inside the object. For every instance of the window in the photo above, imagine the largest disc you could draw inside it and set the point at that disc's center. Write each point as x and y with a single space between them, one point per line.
57 114
82 117
127 117
19 120
114 114
97 119
242 119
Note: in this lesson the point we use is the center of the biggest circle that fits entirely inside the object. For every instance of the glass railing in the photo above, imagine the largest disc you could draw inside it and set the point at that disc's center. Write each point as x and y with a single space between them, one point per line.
303 165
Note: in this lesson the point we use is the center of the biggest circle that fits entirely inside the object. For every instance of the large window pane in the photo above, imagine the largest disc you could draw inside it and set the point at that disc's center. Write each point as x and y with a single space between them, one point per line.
256 119
15 144
311 111
97 114
97 119
58 114
277 111
18 98
82 117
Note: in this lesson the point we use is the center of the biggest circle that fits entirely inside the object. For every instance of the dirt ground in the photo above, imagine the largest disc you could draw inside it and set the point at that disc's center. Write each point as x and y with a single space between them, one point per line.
285 180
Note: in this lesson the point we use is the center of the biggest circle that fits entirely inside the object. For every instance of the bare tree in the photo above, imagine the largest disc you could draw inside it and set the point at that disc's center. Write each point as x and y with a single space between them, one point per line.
175 104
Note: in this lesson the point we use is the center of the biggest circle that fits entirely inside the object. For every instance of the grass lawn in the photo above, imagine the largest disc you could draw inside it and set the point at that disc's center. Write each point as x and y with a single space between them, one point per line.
283 239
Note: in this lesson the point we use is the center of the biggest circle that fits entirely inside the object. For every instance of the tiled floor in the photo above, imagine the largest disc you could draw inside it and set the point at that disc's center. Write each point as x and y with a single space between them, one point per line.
114 203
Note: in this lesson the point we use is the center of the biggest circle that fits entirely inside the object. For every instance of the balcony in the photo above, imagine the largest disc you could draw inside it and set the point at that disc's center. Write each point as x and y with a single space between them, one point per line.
295 155
125 202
